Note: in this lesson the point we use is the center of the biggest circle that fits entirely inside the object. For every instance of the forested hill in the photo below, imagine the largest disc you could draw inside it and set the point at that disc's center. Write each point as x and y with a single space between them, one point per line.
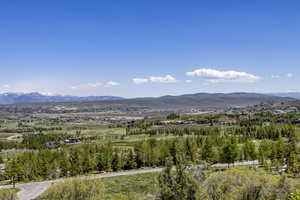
204 101
208 100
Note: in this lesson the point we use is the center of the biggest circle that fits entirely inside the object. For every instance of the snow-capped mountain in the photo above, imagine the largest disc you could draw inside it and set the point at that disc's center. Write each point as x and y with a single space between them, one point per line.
12 98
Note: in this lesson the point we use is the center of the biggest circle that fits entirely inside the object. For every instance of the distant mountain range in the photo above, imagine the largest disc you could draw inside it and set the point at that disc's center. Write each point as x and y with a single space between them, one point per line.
295 95
212 100
13 98
206 100
38 103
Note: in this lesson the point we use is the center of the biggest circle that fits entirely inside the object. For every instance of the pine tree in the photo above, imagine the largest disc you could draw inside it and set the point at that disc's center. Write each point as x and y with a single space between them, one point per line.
75 163
64 166
12 171
104 160
143 151
229 152
209 152
179 185
292 160
1 158
292 163
265 151
273 155
116 162
252 150
88 164
280 151
131 163
167 182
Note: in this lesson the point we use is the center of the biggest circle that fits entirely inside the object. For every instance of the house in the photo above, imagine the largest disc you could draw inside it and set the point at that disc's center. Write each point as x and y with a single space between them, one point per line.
228 122
180 122
280 120
296 121
166 122
51 145
72 140
204 121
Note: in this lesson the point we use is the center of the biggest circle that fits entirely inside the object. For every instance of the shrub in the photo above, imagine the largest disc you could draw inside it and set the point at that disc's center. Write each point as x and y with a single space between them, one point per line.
8 194
75 189
237 184
295 195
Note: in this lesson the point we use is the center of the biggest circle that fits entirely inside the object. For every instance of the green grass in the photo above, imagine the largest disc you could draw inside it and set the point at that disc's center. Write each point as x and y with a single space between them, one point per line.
107 132
136 185
8 194
93 131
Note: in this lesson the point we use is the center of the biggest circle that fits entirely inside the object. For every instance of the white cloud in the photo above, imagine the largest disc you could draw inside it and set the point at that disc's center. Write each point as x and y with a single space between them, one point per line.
140 80
188 81
87 86
289 75
215 76
6 86
49 94
166 79
155 79
95 85
275 76
112 84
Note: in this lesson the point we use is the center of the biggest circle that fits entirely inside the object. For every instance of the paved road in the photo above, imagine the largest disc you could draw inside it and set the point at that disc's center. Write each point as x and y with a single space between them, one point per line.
32 190
254 162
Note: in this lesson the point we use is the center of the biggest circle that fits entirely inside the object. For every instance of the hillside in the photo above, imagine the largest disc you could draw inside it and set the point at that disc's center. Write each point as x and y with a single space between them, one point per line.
201 101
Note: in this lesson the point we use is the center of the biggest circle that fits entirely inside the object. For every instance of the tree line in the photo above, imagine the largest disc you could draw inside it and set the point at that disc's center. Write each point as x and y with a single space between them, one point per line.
81 159
271 131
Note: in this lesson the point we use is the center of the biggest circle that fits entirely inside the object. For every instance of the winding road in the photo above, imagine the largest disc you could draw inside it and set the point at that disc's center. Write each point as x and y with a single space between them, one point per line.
30 191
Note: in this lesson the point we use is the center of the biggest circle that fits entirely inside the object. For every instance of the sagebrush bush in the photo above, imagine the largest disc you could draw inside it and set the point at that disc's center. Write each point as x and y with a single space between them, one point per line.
8 194
237 184
75 189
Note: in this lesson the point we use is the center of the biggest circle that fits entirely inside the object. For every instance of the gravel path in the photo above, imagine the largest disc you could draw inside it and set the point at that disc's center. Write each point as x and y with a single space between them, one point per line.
30 191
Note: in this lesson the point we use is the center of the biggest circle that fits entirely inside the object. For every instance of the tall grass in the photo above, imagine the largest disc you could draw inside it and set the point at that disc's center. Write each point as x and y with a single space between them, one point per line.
8 194
75 189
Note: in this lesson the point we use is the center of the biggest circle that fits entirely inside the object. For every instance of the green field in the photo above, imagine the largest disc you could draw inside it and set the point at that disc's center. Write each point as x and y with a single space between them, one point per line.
144 185
8 194
135 187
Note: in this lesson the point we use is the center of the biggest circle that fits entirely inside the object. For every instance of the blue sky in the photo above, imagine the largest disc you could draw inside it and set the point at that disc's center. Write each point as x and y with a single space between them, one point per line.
149 48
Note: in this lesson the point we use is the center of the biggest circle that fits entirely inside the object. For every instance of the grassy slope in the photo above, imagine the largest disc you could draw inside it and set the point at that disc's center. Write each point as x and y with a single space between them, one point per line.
135 187
143 185
8 194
